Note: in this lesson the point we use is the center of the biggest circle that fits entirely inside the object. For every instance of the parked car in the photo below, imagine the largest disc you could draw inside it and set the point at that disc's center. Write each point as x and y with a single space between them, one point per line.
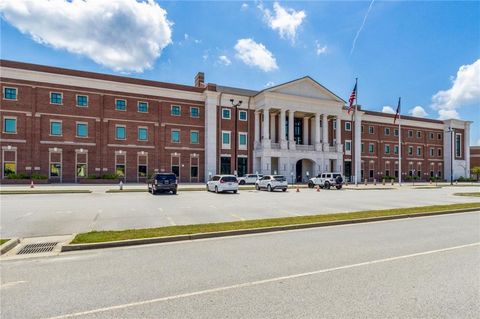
223 183
272 182
163 182
327 180
249 179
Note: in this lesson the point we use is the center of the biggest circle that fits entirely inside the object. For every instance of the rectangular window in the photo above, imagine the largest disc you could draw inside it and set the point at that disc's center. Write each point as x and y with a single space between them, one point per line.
242 140
348 146
175 136
348 126
120 132
193 171
142 170
335 125
439 152
142 107
226 114
431 135
9 93
225 139
362 128
82 100
387 149
395 149
175 110
55 128
242 115
142 134
9 168
410 133
395 132
419 134
370 130
371 148
56 98
120 170
194 112
55 169
363 148
194 137
410 150
387 131
458 145
9 125
419 151
120 105
432 152
82 129
439 136
225 165
81 170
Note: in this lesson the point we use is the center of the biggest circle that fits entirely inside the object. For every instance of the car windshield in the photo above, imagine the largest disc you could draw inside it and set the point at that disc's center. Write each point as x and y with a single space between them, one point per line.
279 178
162 177
229 178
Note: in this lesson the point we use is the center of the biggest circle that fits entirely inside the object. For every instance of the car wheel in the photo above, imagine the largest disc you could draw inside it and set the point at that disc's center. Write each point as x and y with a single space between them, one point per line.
327 185
257 187
216 189
284 189
339 186
310 185
269 188
174 192
234 192
242 182
208 189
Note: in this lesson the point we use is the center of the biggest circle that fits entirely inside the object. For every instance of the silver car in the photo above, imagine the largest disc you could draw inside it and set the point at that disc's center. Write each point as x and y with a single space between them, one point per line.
223 183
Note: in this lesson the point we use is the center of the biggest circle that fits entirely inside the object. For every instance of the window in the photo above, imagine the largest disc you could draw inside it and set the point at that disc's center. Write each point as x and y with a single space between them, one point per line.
387 131
142 107
120 105
120 133
410 150
334 125
142 170
439 152
242 166
458 145
175 136
55 128
432 152
9 93
363 147
82 129
419 134
194 137
362 128
395 149
242 140
431 135
410 133
348 146
10 125
419 151
225 165
371 148
120 170
242 115
194 111
395 132
439 136
348 126
142 134
81 170
194 171
370 130
175 110
226 115
56 98
225 139
82 100
55 169
387 149
9 168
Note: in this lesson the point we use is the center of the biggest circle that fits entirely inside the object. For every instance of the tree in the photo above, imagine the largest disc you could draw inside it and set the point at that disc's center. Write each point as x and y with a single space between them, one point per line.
476 171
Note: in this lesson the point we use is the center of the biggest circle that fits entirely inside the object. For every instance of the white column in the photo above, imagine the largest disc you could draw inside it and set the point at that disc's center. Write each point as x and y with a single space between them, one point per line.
283 137
318 146
325 132
211 102
305 130
291 120
358 146
257 127
266 163
338 134
273 123
266 129
466 147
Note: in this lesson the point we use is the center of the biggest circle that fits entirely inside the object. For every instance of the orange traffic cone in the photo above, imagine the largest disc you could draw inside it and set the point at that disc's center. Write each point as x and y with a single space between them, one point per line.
318 188
298 189
31 184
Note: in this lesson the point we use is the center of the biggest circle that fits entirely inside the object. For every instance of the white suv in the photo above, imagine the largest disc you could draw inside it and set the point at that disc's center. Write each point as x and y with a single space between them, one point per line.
223 183
249 179
272 182
327 180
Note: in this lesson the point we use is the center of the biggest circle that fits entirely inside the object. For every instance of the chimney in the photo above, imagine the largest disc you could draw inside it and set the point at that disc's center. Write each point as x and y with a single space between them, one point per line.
200 80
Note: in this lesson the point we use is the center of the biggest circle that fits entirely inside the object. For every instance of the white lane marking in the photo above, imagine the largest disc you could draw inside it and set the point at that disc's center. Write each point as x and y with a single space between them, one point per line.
11 284
170 220
238 217
260 282
160 209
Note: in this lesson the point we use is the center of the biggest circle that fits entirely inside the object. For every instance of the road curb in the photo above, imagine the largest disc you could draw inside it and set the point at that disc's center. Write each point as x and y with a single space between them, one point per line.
9 245
156 240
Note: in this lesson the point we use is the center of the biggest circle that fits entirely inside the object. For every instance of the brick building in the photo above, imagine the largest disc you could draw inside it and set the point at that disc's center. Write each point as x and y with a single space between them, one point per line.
69 125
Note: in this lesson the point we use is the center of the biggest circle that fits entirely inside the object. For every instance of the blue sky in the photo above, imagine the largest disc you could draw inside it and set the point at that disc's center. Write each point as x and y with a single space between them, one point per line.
426 52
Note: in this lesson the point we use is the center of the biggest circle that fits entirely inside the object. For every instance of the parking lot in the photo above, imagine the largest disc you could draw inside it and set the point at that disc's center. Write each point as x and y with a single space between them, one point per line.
43 215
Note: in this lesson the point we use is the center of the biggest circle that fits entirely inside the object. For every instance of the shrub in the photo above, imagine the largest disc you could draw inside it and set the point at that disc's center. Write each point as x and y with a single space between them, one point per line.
110 176
39 176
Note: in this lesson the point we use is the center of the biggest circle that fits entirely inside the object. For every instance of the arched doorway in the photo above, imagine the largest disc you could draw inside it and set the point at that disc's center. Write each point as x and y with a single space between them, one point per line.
302 167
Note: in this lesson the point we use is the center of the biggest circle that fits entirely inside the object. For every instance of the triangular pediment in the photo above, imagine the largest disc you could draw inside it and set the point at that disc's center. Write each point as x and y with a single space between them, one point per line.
305 87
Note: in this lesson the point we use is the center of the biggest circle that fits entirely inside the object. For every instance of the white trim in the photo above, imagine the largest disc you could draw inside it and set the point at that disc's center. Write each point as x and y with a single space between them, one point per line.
138 105
194 107
245 146
227 146
61 127
76 129
7 117
461 138
179 135
76 100
246 117
115 106
130 146
12 149
76 163
125 127
139 154
14 140
350 124
198 137
171 109
124 154
348 152
229 112
16 93
56 92
67 143
50 152
138 133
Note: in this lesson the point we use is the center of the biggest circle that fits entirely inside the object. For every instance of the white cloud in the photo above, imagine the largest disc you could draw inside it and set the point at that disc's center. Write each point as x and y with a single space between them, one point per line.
124 35
284 20
418 111
361 26
465 90
244 6
223 59
388 109
478 142
269 84
319 49
255 54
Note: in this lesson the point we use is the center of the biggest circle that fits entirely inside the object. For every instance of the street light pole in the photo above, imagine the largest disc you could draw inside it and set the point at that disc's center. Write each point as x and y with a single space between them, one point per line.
236 137
451 130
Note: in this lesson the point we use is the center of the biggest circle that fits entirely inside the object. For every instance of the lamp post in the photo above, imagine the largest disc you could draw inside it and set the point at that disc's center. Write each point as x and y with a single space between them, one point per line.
235 107
451 131
291 174
413 177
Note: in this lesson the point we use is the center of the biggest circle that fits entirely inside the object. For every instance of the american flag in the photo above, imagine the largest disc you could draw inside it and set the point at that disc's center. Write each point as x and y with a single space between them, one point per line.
397 113
352 98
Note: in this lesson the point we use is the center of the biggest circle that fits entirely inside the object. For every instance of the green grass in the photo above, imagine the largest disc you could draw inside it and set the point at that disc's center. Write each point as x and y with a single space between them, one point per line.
3 241
105 236
473 194
44 191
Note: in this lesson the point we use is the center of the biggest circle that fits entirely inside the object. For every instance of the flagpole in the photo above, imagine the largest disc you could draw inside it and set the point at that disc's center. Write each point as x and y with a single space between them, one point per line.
354 115
399 144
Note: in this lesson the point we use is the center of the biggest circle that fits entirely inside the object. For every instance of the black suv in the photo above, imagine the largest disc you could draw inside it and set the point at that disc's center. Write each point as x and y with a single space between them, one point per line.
163 182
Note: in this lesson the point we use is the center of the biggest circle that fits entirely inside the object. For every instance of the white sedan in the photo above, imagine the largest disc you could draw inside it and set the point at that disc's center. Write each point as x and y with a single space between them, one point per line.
223 183
272 182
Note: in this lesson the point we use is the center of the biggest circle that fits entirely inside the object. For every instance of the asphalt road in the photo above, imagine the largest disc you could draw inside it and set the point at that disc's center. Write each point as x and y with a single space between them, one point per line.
60 214
416 268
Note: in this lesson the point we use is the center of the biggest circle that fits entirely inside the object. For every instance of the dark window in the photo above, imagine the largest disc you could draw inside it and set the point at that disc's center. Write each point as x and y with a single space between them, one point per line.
194 171
142 170
370 173
55 169
225 165
298 130
176 170
82 100
194 112
175 110
120 105
120 170
242 115
242 166
10 93
55 98
142 107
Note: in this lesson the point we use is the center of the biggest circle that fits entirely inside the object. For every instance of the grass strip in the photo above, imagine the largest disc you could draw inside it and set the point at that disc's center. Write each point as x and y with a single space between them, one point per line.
105 236
473 194
3 241
45 191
